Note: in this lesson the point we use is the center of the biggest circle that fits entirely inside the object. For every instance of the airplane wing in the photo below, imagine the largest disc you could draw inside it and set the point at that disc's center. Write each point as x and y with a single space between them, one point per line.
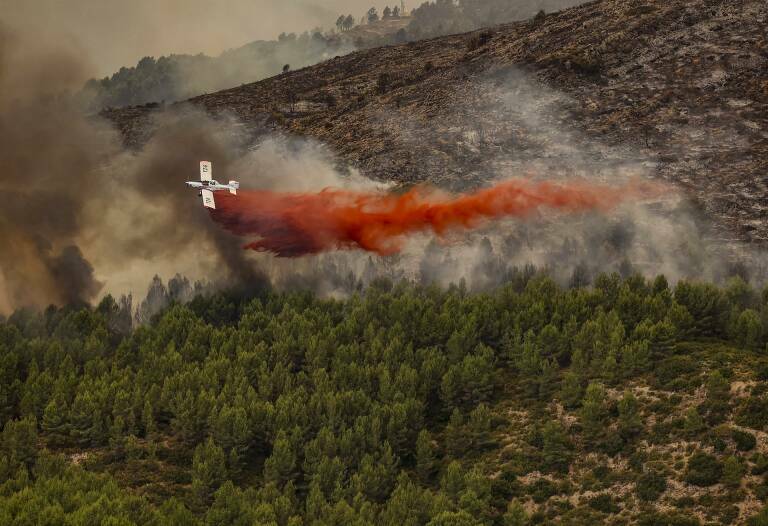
206 170
208 201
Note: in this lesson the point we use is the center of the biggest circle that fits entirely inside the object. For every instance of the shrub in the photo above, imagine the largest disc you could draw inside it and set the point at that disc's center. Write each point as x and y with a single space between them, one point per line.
744 441
762 371
650 486
541 490
703 470
761 519
666 519
753 413
761 464
604 503
674 368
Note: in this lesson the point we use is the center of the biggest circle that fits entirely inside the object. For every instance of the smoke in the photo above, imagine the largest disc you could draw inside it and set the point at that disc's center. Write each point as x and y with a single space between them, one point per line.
119 33
50 155
83 216
78 209
297 224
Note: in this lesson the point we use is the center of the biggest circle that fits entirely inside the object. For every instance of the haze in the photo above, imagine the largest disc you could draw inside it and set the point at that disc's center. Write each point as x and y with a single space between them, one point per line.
115 33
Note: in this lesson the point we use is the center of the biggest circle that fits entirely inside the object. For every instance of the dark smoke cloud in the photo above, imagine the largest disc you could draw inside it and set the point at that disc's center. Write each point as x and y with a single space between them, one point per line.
50 155
158 173
64 175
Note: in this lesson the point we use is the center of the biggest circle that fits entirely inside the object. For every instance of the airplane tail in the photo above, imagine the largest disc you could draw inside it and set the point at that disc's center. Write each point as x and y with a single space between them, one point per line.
234 185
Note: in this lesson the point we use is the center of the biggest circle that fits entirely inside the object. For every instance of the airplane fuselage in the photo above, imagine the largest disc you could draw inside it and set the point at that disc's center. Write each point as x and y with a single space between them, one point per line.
213 186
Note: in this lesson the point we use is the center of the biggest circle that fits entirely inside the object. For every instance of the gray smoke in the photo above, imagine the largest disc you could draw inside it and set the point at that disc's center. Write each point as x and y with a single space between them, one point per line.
50 155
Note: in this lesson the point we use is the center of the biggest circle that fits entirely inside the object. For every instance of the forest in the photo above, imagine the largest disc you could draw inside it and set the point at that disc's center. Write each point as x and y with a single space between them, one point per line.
627 402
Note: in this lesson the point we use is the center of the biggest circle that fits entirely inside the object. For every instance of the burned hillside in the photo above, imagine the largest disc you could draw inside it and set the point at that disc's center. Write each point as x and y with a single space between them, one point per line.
680 88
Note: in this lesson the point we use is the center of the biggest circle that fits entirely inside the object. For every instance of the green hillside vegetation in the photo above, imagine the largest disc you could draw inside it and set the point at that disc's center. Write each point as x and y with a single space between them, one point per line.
629 402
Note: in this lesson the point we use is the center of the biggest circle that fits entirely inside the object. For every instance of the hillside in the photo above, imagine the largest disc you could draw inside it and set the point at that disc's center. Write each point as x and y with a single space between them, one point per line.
678 87
627 403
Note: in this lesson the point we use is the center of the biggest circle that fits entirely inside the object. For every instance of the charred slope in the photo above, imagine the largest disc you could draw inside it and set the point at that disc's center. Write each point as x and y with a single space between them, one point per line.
677 86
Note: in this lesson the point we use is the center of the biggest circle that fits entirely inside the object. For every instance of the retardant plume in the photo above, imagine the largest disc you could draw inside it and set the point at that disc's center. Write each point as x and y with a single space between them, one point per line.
295 224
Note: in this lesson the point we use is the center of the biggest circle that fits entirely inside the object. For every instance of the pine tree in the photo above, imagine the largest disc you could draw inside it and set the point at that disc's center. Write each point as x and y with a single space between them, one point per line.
19 441
456 442
594 412
572 390
55 424
515 514
280 467
148 419
556 448
316 504
630 422
452 481
208 470
610 368
425 456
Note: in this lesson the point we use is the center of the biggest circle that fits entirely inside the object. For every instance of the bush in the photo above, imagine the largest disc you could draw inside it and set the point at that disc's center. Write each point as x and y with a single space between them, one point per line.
650 486
604 503
541 490
753 413
674 369
744 441
761 519
761 464
703 470
667 519
762 371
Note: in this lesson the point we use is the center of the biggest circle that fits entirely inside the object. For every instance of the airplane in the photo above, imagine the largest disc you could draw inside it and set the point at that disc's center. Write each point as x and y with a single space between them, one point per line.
208 185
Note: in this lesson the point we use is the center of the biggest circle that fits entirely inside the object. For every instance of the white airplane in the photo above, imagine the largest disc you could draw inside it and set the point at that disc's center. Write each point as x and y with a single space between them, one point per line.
207 185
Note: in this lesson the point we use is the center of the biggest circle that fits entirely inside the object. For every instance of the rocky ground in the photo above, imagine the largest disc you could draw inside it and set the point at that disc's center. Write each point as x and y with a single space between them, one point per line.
675 89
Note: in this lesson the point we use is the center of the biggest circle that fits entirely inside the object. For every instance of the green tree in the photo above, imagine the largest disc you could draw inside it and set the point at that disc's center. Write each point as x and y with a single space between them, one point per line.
593 412
452 482
208 470
425 456
748 329
456 440
480 425
630 421
280 467
454 518
55 424
148 419
572 390
19 441
515 514
556 449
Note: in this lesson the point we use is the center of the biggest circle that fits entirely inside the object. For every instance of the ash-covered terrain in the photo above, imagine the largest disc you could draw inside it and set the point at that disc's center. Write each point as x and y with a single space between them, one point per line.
677 90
